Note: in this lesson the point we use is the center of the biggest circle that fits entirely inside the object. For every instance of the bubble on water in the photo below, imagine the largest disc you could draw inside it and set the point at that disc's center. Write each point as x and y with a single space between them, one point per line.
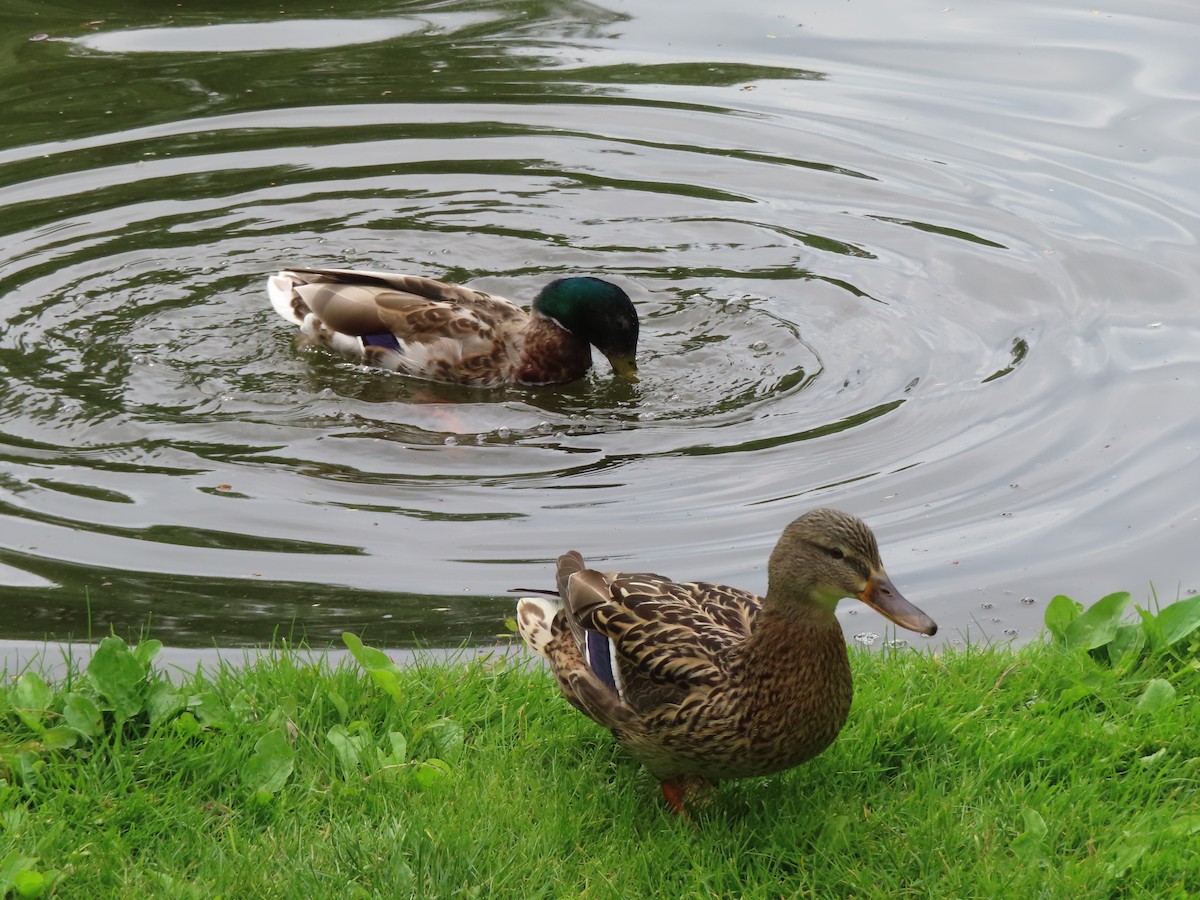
866 638
545 427
451 441
1027 601
986 605
1011 632
996 620
503 432
896 644
479 438
758 346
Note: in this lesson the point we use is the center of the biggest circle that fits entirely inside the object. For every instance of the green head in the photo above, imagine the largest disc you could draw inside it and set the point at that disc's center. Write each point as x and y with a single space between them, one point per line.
597 312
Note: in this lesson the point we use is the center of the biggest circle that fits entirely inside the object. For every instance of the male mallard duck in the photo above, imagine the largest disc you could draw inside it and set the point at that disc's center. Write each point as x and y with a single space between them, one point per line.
701 681
446 332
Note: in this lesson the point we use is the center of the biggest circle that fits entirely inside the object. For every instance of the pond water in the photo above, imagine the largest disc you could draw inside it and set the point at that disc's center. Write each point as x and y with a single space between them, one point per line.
935 265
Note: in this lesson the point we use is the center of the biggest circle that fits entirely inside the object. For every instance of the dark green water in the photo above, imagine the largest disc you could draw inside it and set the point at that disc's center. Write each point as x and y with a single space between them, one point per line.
935 266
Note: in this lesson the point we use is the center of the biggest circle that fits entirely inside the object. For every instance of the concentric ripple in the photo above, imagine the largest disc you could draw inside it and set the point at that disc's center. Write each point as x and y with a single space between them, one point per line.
877 268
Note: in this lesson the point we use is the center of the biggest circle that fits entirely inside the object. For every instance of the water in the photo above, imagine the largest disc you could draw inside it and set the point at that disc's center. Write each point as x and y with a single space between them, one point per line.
932 265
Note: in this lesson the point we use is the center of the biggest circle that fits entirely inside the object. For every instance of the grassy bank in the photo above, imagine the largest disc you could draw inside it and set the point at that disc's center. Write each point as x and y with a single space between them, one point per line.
1068 768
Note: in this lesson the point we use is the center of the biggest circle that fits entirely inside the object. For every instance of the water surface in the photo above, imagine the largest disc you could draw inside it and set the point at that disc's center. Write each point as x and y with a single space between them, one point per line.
931 265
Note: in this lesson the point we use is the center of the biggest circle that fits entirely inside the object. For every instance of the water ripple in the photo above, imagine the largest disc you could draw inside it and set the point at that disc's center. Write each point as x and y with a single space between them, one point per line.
878 267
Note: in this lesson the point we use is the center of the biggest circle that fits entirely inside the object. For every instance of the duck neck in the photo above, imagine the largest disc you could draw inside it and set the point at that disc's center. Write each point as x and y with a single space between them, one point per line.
797 670
551 353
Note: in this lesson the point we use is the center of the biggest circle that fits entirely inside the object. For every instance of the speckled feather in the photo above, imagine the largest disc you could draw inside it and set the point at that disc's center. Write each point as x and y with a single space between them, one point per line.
431 329
714 681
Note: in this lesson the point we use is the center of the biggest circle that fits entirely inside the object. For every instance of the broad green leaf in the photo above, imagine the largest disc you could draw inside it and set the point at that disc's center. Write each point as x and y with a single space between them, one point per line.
347 747
165 702
278 718
376 663
446 736
268 770
1183 826
29 883
29 767
145 652
1073 690
242 706
339 703
1098 624
1128 639
209 709
31 699
1151 760
60 737
1179 620
10 867
1128 854
399 752
32 693
430 771
119 677
1158 695
1061 612
1029 845
186 725
838 832
83 715
1154 632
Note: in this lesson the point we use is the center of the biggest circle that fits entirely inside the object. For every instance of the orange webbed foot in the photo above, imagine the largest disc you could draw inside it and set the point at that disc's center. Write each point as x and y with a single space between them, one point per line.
679 792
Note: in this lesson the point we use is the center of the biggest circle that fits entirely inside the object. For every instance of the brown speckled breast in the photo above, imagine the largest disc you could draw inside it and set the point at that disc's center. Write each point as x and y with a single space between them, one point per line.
552 354
786 701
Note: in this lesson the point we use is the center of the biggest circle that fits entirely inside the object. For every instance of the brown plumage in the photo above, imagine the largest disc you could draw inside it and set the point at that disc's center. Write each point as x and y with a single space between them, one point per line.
446 332
701 681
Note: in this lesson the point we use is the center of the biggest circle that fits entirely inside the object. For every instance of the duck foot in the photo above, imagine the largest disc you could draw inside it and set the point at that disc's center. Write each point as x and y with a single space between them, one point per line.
678 792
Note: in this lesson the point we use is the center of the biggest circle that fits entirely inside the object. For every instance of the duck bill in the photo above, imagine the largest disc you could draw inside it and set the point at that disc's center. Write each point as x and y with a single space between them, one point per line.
624 366
883 597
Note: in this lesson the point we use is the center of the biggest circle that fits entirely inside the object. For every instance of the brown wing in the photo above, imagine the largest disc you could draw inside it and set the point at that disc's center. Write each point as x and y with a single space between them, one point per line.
665 632
414 309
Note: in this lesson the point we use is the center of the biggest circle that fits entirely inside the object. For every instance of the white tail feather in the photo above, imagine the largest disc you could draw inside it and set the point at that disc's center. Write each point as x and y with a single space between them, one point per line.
534 617
279 289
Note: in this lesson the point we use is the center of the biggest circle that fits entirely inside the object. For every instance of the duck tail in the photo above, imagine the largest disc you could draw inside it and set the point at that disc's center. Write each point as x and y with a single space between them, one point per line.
285 300
281 289
535 621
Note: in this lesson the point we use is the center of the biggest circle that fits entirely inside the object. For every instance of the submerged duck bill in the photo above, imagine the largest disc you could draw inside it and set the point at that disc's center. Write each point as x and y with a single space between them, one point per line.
625 367
885 598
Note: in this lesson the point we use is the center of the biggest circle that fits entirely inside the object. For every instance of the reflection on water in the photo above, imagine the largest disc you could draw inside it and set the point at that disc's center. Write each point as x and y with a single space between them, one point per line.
878 265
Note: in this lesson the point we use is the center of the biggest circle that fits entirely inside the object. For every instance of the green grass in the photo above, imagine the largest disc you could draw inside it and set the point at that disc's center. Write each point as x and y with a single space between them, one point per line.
1058 770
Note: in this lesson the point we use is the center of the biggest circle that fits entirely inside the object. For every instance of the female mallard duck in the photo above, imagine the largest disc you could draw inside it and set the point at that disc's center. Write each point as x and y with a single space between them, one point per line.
701 681
445 332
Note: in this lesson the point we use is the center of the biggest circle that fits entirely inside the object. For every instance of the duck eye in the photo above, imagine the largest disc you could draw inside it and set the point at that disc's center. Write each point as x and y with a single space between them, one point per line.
835 552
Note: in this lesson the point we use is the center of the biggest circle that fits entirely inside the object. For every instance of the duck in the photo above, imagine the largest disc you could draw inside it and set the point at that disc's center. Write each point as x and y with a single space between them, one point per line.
702 682
449 333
